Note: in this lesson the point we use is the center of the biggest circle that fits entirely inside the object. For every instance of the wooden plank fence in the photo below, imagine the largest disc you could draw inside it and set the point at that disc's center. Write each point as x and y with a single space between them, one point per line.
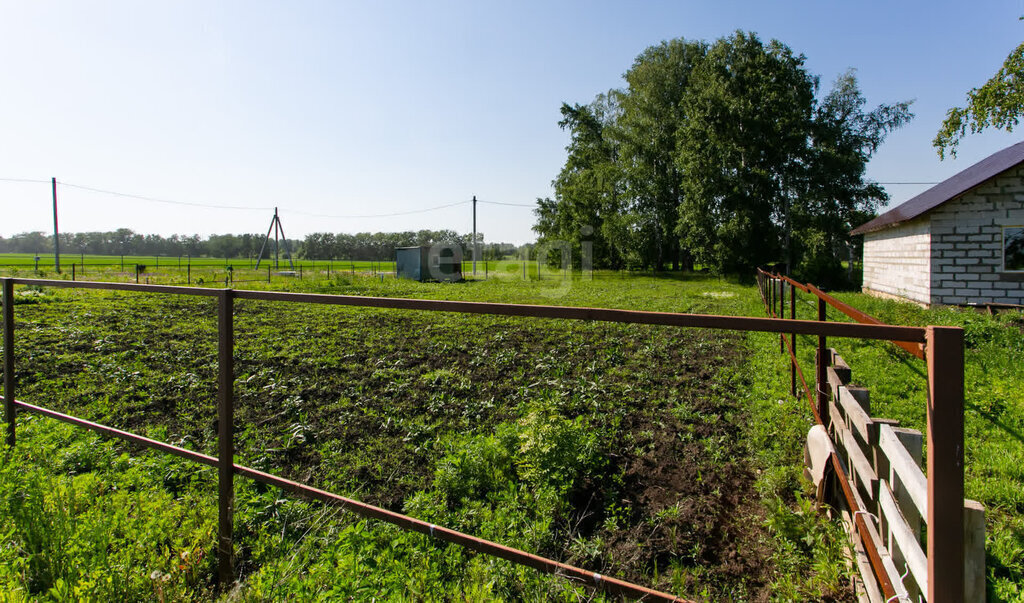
881 464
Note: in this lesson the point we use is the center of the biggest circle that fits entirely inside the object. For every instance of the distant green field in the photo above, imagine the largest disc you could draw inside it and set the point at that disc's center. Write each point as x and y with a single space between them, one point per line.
181 269
46 262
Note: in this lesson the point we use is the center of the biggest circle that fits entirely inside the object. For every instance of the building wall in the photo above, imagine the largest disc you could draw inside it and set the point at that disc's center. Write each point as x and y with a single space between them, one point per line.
897 261
967 244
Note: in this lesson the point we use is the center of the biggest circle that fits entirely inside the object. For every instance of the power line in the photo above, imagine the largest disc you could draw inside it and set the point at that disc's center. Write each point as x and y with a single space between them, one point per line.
503 203
236 207
397 213
888 183
25 180
155 200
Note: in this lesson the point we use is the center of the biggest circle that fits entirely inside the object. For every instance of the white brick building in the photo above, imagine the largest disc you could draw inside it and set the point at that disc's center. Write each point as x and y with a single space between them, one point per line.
959 242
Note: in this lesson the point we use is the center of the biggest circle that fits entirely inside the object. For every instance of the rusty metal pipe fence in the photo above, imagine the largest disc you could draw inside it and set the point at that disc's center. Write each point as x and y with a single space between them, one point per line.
946 354
942 349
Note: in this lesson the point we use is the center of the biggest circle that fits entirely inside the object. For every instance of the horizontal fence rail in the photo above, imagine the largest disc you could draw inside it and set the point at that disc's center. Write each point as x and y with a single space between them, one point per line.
480 545
861 317
705 321
877 465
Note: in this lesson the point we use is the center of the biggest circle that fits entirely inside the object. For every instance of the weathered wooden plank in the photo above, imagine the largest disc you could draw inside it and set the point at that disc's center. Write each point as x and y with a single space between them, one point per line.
842 369
884 472
913 441
859 464
905 467
866 579
859 420
834 382
878 459
906 539
862 396
837 420
876 538
974 551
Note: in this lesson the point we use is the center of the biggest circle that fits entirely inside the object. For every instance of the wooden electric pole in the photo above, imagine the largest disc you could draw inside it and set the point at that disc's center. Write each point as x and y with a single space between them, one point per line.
475 248
278 230
56 236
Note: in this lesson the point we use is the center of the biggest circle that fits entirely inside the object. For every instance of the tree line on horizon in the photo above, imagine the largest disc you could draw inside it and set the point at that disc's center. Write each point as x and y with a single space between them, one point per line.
124 241
382 245
725 155
363 246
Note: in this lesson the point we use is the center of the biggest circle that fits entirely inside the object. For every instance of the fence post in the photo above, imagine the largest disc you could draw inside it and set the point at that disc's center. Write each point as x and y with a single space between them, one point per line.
782 313
775 298
945 357
9 409
822 374
225 435
792 339
72 271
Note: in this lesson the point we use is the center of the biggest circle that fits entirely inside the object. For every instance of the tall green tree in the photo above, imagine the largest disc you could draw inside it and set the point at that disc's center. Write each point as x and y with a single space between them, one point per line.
653 112
998 103
588 189
835 195
722 154
741 150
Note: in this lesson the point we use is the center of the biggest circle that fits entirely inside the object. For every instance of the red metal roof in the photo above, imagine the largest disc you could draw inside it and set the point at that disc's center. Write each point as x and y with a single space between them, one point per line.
987 168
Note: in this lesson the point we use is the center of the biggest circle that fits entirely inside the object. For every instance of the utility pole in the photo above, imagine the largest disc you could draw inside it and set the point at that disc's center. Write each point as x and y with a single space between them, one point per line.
475 249
56 238
279 237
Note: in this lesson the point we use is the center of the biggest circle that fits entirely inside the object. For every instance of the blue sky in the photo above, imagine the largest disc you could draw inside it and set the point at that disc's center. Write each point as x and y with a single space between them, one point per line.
332 109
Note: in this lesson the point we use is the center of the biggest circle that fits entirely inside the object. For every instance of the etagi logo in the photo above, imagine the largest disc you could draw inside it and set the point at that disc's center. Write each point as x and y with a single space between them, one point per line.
555 281
444 261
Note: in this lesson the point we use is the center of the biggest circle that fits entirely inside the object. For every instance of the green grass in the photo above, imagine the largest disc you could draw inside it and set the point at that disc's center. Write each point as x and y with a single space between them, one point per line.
217 271
155 262
648 453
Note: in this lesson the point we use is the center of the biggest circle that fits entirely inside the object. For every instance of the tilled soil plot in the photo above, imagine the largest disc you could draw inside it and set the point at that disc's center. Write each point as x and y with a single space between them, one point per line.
364 403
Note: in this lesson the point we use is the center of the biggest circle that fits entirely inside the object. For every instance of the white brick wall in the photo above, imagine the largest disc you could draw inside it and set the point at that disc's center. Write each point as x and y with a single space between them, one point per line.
966 256
897 261
952 254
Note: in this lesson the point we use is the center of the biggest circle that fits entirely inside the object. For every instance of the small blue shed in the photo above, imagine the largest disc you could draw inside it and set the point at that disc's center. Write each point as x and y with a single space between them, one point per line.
439 262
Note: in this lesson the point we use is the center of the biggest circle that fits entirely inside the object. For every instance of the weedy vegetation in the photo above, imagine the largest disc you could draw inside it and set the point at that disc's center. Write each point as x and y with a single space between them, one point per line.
669 457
